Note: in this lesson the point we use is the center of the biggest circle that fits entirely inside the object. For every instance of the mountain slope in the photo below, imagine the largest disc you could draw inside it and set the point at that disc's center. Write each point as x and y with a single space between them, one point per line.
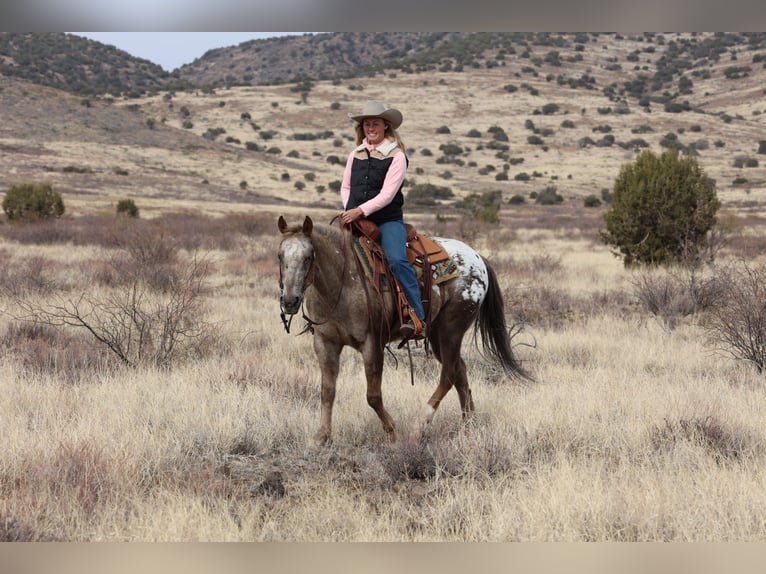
535 112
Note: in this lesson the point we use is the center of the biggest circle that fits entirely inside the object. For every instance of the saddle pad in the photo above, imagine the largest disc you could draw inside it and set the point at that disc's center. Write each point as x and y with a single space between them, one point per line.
442 267
373 266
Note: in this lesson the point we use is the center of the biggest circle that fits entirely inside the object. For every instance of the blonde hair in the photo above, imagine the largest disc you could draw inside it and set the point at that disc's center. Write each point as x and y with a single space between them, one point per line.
389 133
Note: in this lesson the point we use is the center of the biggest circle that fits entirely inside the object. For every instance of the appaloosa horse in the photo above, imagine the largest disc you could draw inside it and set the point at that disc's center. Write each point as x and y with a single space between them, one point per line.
318 269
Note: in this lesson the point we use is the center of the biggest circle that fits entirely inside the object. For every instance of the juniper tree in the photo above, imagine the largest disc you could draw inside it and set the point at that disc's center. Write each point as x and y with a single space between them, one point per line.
663 208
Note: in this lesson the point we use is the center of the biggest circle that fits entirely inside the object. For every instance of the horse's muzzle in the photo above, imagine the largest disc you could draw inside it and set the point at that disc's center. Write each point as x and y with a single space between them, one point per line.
290 305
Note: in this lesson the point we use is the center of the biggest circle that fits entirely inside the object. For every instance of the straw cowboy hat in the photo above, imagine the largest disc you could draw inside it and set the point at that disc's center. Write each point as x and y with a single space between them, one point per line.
375 109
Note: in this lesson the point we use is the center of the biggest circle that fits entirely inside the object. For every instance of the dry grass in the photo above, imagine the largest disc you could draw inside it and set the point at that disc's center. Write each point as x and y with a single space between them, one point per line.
632 432
636 430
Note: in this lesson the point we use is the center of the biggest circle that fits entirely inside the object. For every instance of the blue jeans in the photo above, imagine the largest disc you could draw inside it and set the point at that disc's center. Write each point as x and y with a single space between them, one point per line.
393 239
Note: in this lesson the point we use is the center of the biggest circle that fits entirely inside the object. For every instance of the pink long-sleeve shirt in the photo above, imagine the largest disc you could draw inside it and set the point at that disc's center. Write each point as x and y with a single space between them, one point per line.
392 183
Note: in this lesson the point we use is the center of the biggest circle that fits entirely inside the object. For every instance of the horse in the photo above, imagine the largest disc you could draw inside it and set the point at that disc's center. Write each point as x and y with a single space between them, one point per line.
318 270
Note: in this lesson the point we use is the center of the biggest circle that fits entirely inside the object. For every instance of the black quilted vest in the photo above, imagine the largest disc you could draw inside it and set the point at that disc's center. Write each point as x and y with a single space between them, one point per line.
367 177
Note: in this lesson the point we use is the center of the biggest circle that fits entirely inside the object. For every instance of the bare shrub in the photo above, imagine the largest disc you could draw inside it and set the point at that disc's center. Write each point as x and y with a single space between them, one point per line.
670 295
25 276
737 324
154 315
41 349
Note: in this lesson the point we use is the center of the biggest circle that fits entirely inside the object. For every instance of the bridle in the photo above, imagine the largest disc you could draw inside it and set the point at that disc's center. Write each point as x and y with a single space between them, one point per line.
307 282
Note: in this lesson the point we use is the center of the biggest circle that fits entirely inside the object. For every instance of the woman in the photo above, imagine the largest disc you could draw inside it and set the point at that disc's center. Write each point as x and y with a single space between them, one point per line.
372 188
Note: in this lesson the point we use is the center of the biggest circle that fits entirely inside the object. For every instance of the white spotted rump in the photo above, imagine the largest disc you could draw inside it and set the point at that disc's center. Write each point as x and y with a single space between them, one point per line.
474 279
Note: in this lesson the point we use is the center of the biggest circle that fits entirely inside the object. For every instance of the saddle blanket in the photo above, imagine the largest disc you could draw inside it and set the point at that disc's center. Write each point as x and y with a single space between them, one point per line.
420 248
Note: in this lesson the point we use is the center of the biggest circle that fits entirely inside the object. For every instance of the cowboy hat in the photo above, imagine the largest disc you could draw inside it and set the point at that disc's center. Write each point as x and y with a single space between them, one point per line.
375 109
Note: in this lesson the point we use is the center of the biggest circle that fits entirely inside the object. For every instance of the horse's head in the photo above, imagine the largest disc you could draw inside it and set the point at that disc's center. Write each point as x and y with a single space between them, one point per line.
296 264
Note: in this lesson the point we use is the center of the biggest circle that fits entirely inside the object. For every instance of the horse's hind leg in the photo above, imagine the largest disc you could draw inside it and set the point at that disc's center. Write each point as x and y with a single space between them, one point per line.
453 373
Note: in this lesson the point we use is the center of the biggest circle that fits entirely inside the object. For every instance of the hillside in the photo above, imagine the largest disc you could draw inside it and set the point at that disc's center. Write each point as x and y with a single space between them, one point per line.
509 113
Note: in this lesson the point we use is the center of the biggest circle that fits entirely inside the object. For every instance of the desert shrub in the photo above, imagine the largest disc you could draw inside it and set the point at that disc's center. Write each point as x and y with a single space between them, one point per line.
677 107
662 210
32 201
762 146
591 201
671 294
127 207
428 193
451 149
737 324
443 130
213 133
482 207
517 199
267 134
549 196
152 315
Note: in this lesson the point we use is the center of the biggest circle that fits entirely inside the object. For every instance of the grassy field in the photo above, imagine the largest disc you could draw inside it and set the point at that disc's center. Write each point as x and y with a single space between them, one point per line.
149 392
636 428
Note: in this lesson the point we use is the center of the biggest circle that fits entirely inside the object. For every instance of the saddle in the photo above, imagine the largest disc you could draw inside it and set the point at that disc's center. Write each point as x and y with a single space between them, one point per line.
433 265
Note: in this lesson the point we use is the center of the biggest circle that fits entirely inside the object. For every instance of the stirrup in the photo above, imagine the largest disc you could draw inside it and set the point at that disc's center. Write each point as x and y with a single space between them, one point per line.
413 327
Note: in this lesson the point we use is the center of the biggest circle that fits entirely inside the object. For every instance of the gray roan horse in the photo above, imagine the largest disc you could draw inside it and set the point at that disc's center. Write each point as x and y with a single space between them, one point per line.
318 268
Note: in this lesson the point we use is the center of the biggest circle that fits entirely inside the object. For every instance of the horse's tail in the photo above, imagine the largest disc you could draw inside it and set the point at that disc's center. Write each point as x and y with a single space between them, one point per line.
490 323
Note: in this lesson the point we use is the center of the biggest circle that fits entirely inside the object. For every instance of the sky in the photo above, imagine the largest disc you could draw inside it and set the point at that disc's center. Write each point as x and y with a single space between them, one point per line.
172 50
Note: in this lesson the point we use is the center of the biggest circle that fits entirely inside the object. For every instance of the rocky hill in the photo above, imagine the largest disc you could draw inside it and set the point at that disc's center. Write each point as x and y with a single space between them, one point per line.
514 114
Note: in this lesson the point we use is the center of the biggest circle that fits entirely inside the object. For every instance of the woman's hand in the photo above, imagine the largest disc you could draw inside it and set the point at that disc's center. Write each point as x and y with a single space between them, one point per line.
351 215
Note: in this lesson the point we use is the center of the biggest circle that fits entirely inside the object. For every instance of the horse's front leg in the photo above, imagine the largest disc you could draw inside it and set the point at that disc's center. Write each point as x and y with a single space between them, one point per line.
373 370
328 354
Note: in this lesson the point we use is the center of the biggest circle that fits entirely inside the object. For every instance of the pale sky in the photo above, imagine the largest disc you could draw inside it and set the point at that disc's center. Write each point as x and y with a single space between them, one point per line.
171 50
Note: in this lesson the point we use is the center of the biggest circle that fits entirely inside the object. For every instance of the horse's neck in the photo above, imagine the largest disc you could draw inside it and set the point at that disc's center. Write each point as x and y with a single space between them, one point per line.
331 263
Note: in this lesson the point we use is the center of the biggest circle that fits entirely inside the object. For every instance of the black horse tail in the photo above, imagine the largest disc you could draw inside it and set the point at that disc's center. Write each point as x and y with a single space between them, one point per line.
495 337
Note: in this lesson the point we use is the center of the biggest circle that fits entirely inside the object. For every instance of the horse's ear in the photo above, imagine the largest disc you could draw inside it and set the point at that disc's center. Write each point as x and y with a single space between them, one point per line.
308 226
282 224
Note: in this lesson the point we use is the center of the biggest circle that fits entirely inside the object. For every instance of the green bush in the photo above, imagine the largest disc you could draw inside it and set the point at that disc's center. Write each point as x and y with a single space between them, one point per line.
549 196
482 207
428 193
591 201
662 210
127 207
32 201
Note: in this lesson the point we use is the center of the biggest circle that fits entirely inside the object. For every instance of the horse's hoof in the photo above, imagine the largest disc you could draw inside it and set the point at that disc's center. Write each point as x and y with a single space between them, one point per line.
322 438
